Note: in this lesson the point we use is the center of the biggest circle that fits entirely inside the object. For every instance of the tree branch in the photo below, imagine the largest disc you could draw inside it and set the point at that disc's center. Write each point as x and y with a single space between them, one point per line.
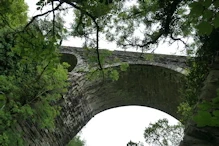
53 20
153 41
39 15
178 39
96 25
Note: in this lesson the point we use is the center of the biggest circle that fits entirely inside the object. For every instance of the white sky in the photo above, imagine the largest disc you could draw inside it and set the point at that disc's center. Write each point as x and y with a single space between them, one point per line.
116 127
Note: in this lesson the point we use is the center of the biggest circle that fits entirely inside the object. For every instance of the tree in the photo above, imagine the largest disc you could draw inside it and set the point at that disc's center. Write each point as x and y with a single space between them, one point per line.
32 79
130 143
13 13
163 134
76 141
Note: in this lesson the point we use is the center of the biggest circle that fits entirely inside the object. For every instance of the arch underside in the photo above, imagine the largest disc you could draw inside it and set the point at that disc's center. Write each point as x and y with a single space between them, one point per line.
70 59
143 85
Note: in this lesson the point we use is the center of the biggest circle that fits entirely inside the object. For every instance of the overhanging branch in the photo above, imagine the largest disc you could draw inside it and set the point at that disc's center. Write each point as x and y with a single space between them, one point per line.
96 25
40 15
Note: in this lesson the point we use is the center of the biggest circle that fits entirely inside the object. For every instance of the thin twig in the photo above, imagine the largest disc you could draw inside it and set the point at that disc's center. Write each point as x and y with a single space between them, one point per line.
178 39
53 20
153 41
44 69
97 29
40 15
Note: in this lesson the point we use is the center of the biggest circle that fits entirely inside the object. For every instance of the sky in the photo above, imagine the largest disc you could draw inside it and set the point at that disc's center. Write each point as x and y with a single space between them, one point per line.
163 48
116 127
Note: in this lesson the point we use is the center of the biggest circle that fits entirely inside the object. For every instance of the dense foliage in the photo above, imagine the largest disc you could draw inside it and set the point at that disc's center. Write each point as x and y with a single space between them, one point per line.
162 134
12 13
76 141
31 76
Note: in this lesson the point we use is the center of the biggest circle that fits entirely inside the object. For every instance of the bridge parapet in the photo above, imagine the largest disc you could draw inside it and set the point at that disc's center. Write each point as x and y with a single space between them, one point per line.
114 58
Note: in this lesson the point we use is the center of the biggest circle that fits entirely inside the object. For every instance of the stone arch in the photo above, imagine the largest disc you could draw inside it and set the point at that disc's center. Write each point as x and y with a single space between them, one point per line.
70 59
142 84
145 85
81 61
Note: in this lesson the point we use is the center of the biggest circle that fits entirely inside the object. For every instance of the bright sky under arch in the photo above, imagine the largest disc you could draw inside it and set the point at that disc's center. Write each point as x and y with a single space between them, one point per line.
117 126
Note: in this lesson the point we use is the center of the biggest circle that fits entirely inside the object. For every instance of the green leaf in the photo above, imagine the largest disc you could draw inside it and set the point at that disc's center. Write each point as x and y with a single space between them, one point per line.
216 21
214 122
204 28
124 66
2 101
149 57
196 9
114 74
2 97
205 106
207 14
207 3
215 100
202 119
216 113
76 141
216 3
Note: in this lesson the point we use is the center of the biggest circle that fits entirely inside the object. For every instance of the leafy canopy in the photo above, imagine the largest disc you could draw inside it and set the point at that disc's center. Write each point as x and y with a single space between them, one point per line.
76 141
32 79
13 13
162 134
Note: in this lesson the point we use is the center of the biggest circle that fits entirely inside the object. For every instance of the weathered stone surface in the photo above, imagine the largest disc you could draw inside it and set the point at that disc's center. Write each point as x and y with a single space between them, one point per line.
153 83
208 135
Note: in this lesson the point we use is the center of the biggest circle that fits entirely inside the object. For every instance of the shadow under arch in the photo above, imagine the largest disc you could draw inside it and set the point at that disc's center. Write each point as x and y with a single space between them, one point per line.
144 85
70 59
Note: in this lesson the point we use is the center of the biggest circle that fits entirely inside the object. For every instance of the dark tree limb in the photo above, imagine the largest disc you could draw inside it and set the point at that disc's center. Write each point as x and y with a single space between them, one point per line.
178 39
166 21
53 20
146 44
96 25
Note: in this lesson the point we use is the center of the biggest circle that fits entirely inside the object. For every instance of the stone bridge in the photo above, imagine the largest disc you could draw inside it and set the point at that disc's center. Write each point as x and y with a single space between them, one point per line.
151 80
